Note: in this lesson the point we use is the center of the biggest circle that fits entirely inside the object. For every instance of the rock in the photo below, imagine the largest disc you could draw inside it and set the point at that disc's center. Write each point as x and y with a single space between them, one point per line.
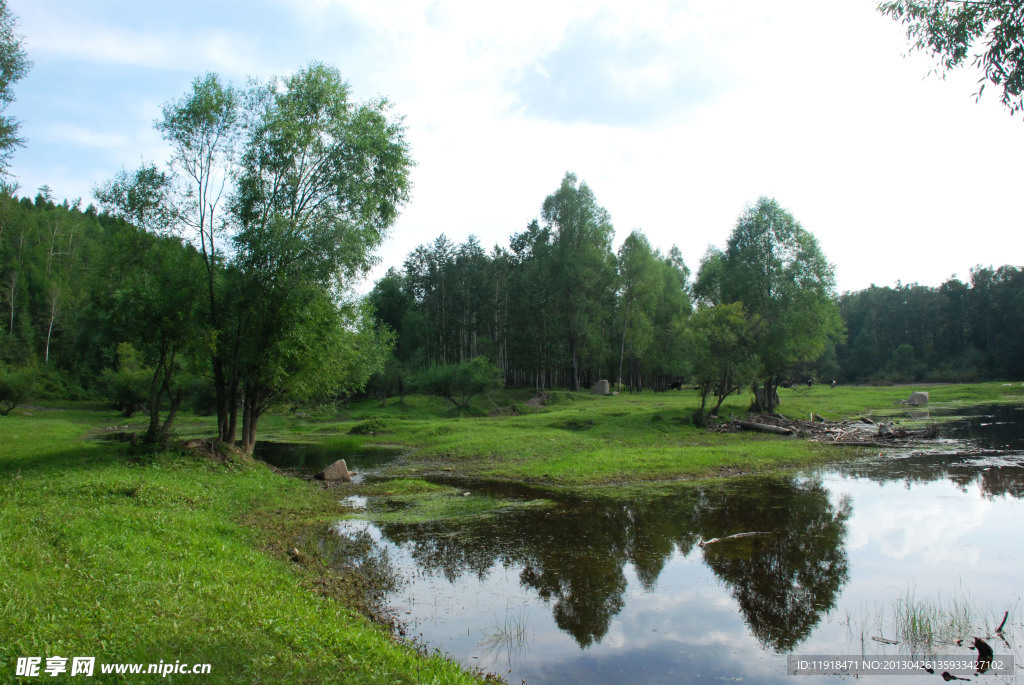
602 388
336 471
917 399
537 400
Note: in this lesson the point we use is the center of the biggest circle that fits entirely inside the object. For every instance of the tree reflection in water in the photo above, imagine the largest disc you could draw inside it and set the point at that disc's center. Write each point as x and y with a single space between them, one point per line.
785 581
575 556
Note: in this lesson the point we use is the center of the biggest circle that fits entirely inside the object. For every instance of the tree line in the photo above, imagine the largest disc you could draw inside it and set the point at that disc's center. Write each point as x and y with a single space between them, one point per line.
958 331
558 307
110 303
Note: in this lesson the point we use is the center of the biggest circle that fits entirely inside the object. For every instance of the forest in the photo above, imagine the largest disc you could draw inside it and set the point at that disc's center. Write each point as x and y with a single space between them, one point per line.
97 307
224 280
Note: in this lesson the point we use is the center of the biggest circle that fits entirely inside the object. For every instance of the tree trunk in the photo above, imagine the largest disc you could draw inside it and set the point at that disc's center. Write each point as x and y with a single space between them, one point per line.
622 345
172 412
574 353
769 395
250 417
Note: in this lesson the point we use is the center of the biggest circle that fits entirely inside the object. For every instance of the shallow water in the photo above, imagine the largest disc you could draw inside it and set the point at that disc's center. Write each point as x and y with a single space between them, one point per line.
611 591
309 459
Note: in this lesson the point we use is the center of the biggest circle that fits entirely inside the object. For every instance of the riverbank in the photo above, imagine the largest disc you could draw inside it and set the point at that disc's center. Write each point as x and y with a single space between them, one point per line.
176 558
573 441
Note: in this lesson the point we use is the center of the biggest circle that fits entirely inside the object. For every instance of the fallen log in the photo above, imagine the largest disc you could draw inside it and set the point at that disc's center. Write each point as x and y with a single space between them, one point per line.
704 543
763 427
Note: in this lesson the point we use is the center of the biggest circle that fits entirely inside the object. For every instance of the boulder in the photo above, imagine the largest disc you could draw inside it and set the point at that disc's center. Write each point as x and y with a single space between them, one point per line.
336 471
917 399
602 388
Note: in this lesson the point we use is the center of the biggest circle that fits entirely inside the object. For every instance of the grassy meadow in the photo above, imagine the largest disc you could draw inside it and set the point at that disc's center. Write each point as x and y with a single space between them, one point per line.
181 557
175 557
580 440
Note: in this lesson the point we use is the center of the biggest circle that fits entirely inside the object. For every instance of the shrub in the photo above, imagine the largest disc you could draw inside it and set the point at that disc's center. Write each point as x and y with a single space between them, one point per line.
15 387
459 383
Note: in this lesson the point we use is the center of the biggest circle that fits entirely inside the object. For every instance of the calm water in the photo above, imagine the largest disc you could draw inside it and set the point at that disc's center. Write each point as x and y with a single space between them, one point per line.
310 459
623 592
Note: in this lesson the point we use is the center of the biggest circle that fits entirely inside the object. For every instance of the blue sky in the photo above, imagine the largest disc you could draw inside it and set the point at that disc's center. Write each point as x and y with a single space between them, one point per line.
677 114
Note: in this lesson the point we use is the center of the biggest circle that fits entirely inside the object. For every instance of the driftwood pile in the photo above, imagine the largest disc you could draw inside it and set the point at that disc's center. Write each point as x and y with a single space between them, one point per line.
861 432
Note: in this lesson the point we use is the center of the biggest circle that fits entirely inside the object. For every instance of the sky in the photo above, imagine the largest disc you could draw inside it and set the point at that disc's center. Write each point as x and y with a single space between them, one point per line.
677 114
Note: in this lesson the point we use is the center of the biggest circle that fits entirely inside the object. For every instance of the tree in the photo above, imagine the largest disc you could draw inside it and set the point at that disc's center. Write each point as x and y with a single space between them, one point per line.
719 342
638 290
203 128
776 269
14 64
322 180
582 270
154 302
15 387
950 30
460 382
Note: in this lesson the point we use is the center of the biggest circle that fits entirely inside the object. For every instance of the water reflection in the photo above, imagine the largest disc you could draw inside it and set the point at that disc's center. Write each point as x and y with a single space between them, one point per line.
311 458
785 581
993 476
575 557
612 591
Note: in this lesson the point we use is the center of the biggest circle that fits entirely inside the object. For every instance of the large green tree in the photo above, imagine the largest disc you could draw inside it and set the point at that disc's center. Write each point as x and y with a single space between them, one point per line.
719 343
778 271
153 299
322 179
14 64
989 33
203 128
284 190
582 271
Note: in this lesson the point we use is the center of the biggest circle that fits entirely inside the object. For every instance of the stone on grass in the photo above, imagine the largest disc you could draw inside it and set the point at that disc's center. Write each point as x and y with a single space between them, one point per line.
602 388
917 399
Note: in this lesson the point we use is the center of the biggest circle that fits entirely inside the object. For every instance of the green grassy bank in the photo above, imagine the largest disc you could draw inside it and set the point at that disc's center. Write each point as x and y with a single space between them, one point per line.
174 558
580 440
182 557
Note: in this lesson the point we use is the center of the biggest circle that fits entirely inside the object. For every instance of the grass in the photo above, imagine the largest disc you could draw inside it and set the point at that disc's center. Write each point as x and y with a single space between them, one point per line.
922 625
179 557
581 440
175 558
509 634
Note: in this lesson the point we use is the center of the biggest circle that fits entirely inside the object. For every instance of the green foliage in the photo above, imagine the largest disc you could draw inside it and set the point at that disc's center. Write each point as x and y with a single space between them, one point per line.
958 332
16 386
14 64
776 269
582 275
543 306
990 34
721 348
310 182
128 386
460 382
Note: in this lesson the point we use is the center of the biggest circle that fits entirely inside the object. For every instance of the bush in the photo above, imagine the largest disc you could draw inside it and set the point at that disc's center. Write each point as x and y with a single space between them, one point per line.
15 387
370 426
459 383
128 387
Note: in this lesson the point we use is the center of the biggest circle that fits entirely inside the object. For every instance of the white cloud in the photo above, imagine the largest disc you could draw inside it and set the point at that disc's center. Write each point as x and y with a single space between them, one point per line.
713 105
